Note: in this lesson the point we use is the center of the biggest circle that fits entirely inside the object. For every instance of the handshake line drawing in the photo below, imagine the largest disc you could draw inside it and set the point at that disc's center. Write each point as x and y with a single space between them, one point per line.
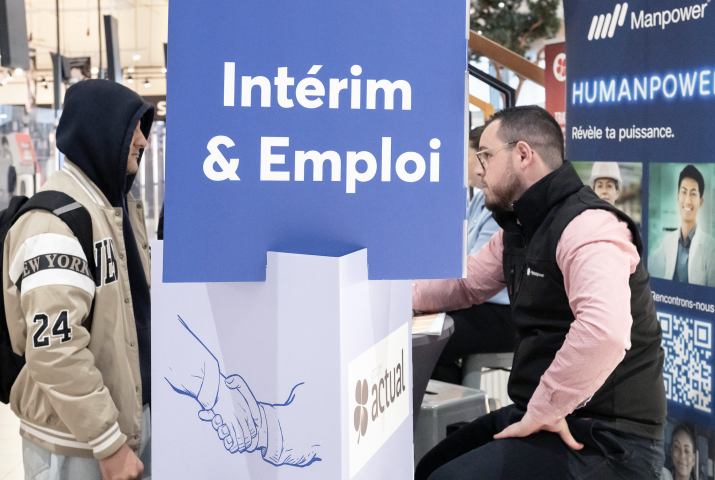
228 404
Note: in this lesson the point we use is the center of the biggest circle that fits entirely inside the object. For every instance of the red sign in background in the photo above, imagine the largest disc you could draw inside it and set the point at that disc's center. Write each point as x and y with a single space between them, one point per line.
555 82
27 151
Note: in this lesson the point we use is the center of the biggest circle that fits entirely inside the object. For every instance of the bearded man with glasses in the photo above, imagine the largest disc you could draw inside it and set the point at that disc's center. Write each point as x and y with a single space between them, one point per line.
587 380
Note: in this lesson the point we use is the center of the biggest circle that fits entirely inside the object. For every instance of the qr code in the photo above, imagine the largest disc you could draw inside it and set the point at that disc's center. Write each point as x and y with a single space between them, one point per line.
688 351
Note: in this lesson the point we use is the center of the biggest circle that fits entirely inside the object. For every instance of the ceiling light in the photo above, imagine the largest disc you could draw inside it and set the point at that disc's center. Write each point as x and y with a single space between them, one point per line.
4 115
18 72
130 69
147 83
137 56
130 79
501 5
163 70
95 70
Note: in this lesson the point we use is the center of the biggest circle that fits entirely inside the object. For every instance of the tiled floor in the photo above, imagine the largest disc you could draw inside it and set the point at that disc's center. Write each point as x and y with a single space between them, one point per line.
10 446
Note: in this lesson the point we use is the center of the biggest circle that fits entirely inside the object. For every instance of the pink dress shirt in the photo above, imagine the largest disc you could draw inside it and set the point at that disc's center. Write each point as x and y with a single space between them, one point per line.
597 257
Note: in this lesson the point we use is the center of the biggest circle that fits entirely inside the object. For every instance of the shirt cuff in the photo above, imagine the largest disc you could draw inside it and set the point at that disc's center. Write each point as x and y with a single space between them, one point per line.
541 410
108 443
273 450
209 387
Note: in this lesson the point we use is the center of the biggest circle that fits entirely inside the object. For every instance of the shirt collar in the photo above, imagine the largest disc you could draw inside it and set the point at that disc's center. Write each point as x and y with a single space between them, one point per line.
685 242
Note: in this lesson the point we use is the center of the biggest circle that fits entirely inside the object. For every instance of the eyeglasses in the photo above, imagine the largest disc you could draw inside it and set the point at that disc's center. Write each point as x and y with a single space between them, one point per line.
484 157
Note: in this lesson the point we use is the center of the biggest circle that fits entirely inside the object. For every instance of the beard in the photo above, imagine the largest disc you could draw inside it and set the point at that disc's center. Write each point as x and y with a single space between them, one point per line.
499 197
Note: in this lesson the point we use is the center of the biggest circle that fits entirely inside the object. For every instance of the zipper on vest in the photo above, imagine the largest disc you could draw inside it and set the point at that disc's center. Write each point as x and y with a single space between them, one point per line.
521 277
511 280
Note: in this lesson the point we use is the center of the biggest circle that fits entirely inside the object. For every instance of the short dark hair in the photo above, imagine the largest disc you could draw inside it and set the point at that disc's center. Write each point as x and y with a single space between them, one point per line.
693 173
475 135
684 429
535 126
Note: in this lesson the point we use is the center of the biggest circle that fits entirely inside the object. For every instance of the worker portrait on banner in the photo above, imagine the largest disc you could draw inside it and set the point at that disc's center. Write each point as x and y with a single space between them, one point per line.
687 447
681 223
618 183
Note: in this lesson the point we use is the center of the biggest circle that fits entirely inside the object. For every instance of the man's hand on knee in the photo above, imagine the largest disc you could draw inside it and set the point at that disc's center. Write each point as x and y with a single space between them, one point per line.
121 465
527 426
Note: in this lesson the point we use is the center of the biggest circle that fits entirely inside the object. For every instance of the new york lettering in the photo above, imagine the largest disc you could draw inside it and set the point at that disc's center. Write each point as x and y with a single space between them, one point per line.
105 262
56 261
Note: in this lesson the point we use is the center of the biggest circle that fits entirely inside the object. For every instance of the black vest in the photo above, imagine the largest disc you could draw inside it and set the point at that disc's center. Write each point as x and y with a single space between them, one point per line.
632 399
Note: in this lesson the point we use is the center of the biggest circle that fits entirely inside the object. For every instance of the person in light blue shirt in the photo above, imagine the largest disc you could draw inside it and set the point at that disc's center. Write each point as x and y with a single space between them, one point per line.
485 328
481 228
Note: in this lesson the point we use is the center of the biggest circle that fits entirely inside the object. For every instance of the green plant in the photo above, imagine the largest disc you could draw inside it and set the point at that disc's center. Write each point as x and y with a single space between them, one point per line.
515 24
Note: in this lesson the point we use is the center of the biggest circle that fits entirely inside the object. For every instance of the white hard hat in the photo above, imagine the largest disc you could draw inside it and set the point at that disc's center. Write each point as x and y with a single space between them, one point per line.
606 170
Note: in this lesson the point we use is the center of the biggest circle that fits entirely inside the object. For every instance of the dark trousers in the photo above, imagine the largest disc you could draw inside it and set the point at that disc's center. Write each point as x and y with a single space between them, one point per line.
485 328
471 453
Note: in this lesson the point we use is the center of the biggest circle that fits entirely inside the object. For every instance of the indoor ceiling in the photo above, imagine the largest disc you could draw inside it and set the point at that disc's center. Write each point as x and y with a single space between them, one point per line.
143 30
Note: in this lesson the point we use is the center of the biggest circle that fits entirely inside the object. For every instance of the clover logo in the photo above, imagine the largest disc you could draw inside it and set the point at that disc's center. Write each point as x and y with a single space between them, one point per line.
360 415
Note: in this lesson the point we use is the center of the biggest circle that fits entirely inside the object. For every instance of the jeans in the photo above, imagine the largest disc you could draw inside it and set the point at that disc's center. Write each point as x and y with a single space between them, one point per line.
471 453
41 464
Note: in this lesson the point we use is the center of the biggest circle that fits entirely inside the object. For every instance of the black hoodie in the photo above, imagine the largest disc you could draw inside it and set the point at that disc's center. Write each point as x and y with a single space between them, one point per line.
95 133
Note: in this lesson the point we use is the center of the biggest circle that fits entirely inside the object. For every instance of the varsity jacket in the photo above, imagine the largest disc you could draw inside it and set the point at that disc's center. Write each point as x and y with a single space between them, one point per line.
79 394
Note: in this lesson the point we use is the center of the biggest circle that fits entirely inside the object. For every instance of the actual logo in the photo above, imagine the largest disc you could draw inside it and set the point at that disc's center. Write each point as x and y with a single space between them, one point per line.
379 396
360 415
603 26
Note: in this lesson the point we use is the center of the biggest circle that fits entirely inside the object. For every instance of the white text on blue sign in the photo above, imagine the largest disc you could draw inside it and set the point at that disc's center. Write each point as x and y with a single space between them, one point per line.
308 94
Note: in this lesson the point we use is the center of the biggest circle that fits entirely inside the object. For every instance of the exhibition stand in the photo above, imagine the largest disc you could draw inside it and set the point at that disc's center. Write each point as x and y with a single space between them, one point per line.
334 134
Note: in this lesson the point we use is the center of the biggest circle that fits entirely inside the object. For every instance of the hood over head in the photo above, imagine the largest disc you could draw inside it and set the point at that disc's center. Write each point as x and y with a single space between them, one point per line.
95 133
96 129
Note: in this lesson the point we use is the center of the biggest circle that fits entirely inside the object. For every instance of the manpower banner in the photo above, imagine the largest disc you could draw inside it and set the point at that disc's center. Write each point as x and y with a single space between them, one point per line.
316 127
640 106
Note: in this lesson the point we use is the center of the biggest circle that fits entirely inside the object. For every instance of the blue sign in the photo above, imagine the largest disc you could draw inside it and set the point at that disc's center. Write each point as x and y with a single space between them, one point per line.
315 127
635 92
641 94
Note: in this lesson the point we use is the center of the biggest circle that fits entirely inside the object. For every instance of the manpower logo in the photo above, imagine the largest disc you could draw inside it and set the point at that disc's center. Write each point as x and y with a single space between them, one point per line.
605 25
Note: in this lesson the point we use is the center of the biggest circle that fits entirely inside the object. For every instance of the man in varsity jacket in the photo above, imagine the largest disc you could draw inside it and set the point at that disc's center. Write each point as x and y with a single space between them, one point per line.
83 397
587 380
